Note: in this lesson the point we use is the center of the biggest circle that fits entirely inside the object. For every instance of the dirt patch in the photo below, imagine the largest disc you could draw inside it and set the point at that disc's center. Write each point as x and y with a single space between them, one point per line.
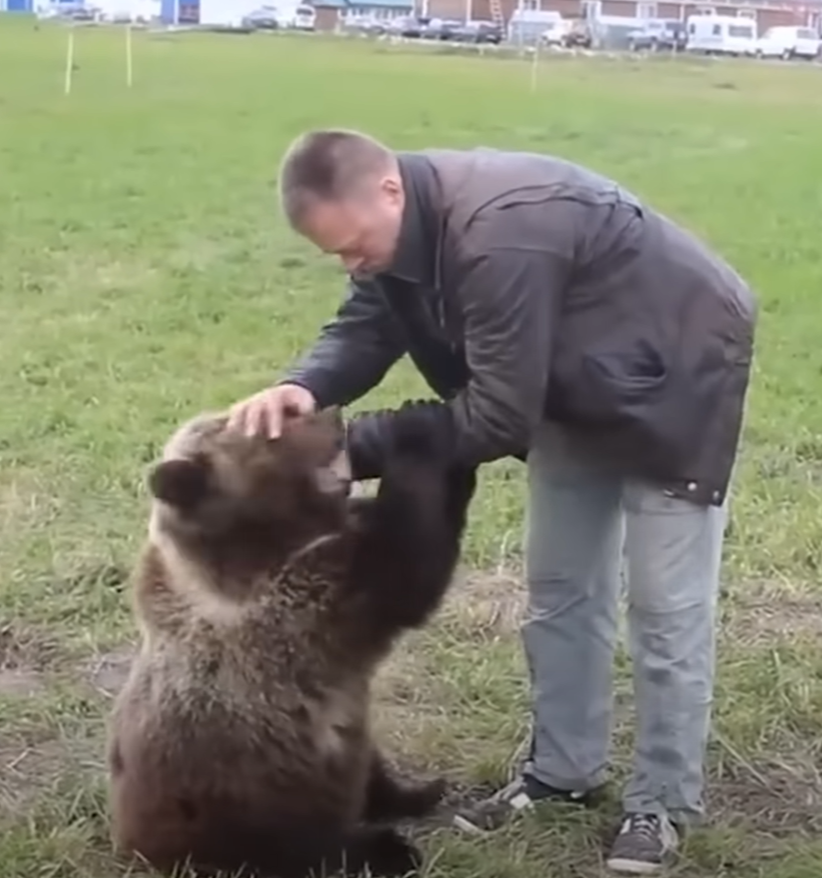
764 613
107 672
21 682
22 647
38 769
485 605
24 655
26 769
773 797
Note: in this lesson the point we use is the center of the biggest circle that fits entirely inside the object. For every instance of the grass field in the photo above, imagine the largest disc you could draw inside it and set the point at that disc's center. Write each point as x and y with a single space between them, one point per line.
145 275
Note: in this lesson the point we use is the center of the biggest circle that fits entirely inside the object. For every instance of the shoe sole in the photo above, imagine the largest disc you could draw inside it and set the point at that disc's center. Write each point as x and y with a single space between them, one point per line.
633 867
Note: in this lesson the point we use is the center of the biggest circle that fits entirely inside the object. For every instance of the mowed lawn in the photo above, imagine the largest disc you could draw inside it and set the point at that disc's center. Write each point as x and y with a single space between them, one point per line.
145 275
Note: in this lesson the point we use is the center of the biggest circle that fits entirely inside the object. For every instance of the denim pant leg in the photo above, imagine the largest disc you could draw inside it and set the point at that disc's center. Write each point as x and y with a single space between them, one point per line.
573 553
674 551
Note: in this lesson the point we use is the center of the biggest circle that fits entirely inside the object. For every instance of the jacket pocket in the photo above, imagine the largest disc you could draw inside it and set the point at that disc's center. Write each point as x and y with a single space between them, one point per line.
639 411
615 388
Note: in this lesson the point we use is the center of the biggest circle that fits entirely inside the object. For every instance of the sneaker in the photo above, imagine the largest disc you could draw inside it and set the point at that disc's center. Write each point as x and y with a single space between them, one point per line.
507 803
644 844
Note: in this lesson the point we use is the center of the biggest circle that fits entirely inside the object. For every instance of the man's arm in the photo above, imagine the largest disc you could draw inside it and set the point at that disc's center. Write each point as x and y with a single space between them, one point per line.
353 351
510 297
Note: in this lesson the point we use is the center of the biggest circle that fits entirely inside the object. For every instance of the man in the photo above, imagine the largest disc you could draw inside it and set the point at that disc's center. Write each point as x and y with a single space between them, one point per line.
562 321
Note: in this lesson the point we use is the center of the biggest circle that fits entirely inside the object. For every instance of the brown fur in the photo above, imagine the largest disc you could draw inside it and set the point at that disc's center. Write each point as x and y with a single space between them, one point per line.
266 600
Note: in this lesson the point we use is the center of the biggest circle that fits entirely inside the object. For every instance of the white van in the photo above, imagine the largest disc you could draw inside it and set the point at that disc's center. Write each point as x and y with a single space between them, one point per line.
557 31
721 34
305 17
788 42
528 25
294 16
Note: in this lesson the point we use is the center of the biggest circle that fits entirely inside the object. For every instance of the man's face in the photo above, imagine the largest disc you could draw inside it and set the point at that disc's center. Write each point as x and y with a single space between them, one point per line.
363 231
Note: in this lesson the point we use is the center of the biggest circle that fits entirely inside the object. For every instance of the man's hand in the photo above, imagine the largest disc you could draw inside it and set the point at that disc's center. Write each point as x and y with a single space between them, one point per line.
265 411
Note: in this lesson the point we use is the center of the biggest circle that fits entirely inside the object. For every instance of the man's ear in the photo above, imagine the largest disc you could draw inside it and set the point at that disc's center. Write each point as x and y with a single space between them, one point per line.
180 483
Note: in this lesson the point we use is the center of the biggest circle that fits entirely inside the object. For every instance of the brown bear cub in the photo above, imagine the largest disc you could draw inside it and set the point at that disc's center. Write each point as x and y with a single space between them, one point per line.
267 598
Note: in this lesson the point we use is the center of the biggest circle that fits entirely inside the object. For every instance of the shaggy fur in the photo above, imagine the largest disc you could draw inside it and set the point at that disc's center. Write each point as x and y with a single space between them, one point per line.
267 598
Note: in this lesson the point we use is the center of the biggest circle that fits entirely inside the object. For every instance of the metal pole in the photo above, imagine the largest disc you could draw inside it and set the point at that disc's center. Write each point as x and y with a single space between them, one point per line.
129 63
69 60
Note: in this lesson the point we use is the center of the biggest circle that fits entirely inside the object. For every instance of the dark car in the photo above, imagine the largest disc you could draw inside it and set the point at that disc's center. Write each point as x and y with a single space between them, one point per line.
264 18
367 28
478 32
440 29
578 36
409 27
661 34
79 13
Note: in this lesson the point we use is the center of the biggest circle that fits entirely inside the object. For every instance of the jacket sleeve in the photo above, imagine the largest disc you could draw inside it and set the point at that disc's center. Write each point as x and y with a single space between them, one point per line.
353 351
510 298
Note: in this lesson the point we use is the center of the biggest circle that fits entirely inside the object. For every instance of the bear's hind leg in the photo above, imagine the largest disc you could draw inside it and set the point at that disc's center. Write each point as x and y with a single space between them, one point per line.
383 851
307 852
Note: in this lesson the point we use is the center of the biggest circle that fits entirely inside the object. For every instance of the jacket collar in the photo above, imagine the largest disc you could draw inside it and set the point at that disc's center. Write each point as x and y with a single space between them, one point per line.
418 256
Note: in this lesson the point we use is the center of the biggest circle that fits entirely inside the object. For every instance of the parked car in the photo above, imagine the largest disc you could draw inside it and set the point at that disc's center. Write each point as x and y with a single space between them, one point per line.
369 27
578 34
264 18
659 34
788 42
76 12
527 26
409 27
440 29
555 33
478 32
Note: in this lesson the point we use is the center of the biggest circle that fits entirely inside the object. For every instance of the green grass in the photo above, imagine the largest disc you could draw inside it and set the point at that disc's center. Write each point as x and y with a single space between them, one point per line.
145 274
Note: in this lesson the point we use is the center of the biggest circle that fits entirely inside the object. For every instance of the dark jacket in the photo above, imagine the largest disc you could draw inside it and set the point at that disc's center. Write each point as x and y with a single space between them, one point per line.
525 287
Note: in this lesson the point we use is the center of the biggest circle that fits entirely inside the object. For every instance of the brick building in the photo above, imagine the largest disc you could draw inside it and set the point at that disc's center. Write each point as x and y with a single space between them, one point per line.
331 14
768 13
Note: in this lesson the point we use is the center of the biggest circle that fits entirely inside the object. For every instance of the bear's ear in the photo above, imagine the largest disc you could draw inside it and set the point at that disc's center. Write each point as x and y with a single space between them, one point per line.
181 483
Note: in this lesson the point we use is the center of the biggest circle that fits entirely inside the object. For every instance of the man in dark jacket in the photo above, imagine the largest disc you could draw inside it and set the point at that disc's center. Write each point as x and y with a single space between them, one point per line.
562 321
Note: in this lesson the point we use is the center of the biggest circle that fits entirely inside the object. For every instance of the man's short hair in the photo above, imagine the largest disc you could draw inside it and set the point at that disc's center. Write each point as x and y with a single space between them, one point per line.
328 165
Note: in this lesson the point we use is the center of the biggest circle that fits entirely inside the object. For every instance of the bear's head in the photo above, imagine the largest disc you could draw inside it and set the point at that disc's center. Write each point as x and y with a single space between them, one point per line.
215 485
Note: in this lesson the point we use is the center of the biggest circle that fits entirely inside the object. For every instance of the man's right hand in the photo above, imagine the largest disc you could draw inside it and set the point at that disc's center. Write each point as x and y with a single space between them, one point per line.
265 412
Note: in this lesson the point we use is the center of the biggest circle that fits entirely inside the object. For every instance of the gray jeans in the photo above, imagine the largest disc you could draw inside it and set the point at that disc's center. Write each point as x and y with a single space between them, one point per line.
579 520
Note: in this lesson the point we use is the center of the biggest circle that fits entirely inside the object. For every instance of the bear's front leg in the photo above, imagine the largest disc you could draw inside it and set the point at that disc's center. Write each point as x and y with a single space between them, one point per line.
390 797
